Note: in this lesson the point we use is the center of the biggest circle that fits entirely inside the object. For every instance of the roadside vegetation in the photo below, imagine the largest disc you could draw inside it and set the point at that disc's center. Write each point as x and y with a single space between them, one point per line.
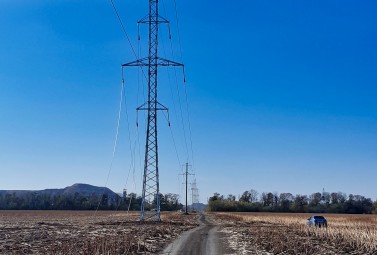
325 202
286 233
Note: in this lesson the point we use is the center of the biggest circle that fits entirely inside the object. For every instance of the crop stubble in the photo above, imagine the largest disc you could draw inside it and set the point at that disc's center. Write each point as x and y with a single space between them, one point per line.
73 232
279 233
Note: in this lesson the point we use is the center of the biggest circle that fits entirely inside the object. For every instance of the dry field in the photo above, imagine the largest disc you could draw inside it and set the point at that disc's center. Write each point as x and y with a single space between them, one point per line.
89 233
278 233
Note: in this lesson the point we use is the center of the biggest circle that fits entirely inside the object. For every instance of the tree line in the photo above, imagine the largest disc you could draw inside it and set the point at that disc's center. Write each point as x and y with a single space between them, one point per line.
77 201
319 202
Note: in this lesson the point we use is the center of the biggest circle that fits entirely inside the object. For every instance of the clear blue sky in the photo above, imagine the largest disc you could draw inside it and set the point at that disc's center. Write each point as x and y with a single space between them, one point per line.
282 95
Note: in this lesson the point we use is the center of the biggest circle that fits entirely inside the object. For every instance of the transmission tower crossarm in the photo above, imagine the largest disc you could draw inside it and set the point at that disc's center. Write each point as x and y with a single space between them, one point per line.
148 20
159 61
145 107
167 62
138 62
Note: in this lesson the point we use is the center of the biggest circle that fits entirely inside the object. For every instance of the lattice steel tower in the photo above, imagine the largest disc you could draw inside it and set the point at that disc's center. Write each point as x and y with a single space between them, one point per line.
195 195
150 205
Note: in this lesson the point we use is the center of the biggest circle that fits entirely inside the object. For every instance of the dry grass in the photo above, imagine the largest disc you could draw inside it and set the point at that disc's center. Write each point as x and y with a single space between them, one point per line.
65 232
279 233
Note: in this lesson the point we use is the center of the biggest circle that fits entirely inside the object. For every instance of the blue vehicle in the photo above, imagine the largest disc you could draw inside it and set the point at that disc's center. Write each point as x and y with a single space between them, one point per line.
317 221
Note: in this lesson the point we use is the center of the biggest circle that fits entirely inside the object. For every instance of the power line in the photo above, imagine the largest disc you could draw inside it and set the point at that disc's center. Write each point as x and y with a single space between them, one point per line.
114 145
133 160
187 104
186 95
125 33
172 94
189 126
123 27
177 89
179 33
176 83
185 87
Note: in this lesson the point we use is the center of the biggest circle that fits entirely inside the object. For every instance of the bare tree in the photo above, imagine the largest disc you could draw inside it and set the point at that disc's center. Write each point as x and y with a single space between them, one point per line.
231 197
245 197
253 196
315 199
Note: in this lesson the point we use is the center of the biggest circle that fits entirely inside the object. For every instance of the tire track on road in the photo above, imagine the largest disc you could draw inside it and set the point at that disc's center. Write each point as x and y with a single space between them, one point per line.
205 239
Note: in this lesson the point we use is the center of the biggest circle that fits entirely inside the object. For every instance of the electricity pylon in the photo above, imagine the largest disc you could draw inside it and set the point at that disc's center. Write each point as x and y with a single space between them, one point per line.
150 205
186 174
194 194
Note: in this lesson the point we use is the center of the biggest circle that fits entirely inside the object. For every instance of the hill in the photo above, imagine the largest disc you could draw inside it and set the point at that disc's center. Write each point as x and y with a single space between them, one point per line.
76 197
198 207
79 188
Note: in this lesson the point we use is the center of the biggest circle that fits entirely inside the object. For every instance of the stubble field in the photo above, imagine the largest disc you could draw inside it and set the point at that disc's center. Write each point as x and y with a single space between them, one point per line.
279 233
72 232
88 233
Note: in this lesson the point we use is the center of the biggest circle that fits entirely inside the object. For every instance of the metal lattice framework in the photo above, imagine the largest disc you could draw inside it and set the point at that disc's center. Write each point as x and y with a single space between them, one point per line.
195 195
150 205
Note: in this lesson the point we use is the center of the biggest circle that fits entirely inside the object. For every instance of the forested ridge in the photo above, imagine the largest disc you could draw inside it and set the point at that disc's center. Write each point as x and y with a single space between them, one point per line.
79 197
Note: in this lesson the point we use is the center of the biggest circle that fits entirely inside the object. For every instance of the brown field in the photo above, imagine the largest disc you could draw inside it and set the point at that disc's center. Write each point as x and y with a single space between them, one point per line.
89 233
78 232
278 233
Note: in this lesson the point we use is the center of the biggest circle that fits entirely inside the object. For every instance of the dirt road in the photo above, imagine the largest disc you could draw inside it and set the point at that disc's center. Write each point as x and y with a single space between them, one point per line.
205 239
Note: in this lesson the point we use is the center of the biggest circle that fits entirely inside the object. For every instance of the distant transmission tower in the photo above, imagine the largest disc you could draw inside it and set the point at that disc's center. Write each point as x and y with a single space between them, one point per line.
150 205
186 174
194 194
